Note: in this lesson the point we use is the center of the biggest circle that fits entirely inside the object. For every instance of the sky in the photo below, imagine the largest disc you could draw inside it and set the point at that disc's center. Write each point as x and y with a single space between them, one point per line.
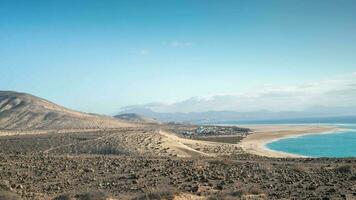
100 56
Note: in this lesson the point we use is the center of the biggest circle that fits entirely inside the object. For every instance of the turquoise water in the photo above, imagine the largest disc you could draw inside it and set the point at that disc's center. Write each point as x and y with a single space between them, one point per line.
338 144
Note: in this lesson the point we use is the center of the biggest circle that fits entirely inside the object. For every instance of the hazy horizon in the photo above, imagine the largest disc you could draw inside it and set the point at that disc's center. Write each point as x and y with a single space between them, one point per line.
187 56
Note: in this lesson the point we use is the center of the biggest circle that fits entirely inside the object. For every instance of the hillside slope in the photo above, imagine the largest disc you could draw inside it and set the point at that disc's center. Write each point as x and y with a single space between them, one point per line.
132 117
25 111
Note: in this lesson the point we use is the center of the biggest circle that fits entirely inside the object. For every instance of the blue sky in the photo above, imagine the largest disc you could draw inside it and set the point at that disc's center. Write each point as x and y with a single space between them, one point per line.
97 56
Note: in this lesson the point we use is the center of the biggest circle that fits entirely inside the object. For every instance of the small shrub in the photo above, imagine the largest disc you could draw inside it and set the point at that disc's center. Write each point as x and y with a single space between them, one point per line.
248 189
108 150
345 169
6 195
64 197
157 195
98 195
200 164
221 196
255 191
300 168
238 193
215 197
353 178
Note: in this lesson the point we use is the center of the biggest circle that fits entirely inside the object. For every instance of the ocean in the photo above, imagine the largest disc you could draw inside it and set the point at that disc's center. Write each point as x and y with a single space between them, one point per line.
337 144
334 144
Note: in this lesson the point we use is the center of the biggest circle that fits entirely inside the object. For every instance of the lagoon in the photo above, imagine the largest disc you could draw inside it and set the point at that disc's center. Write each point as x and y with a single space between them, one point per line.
337 144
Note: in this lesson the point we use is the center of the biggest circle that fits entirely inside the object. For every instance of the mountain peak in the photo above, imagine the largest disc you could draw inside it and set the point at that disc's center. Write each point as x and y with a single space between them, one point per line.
25 111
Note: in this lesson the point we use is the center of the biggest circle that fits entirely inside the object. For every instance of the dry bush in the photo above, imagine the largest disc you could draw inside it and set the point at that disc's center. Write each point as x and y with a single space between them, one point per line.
200 164
255 190
65 197
221 197
230 195
6 195
345 169
108 150
157 195
300 168
238 193
249 189
98 195
353 178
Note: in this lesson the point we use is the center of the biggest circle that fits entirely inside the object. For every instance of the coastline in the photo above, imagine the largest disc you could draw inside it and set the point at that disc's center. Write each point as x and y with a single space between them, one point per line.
255 143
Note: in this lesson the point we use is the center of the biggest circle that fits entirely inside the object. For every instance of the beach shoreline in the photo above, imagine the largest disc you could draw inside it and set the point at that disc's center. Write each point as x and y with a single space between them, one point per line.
255 143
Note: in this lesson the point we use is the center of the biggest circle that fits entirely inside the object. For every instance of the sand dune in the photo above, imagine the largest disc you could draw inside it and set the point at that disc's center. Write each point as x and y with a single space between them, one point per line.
24 111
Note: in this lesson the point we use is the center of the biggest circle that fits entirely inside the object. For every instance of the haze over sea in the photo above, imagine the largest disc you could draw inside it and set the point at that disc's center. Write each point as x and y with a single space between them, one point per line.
333 144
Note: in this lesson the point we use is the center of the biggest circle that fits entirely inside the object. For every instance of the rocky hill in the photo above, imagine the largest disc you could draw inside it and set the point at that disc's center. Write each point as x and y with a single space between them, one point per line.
25 111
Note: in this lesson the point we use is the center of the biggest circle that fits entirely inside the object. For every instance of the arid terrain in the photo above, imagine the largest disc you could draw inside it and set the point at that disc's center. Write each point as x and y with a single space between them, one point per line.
130 163
20 111
45 157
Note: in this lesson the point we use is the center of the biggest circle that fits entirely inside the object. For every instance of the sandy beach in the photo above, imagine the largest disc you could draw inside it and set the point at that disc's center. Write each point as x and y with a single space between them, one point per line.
263 134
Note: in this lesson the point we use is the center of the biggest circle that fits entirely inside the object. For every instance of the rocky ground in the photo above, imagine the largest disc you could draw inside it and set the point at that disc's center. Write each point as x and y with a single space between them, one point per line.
145 141
45 177
95 164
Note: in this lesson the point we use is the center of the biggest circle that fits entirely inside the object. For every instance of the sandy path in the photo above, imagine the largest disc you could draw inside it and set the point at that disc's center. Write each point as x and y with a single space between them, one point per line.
178 145
185 147
263 134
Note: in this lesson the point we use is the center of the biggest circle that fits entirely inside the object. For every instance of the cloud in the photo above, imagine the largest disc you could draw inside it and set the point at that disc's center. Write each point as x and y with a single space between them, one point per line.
144 52
334 92
177 44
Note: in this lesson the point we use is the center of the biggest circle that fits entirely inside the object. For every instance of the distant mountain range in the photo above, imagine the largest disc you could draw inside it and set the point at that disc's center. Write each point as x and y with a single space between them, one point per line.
234 116
24 111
